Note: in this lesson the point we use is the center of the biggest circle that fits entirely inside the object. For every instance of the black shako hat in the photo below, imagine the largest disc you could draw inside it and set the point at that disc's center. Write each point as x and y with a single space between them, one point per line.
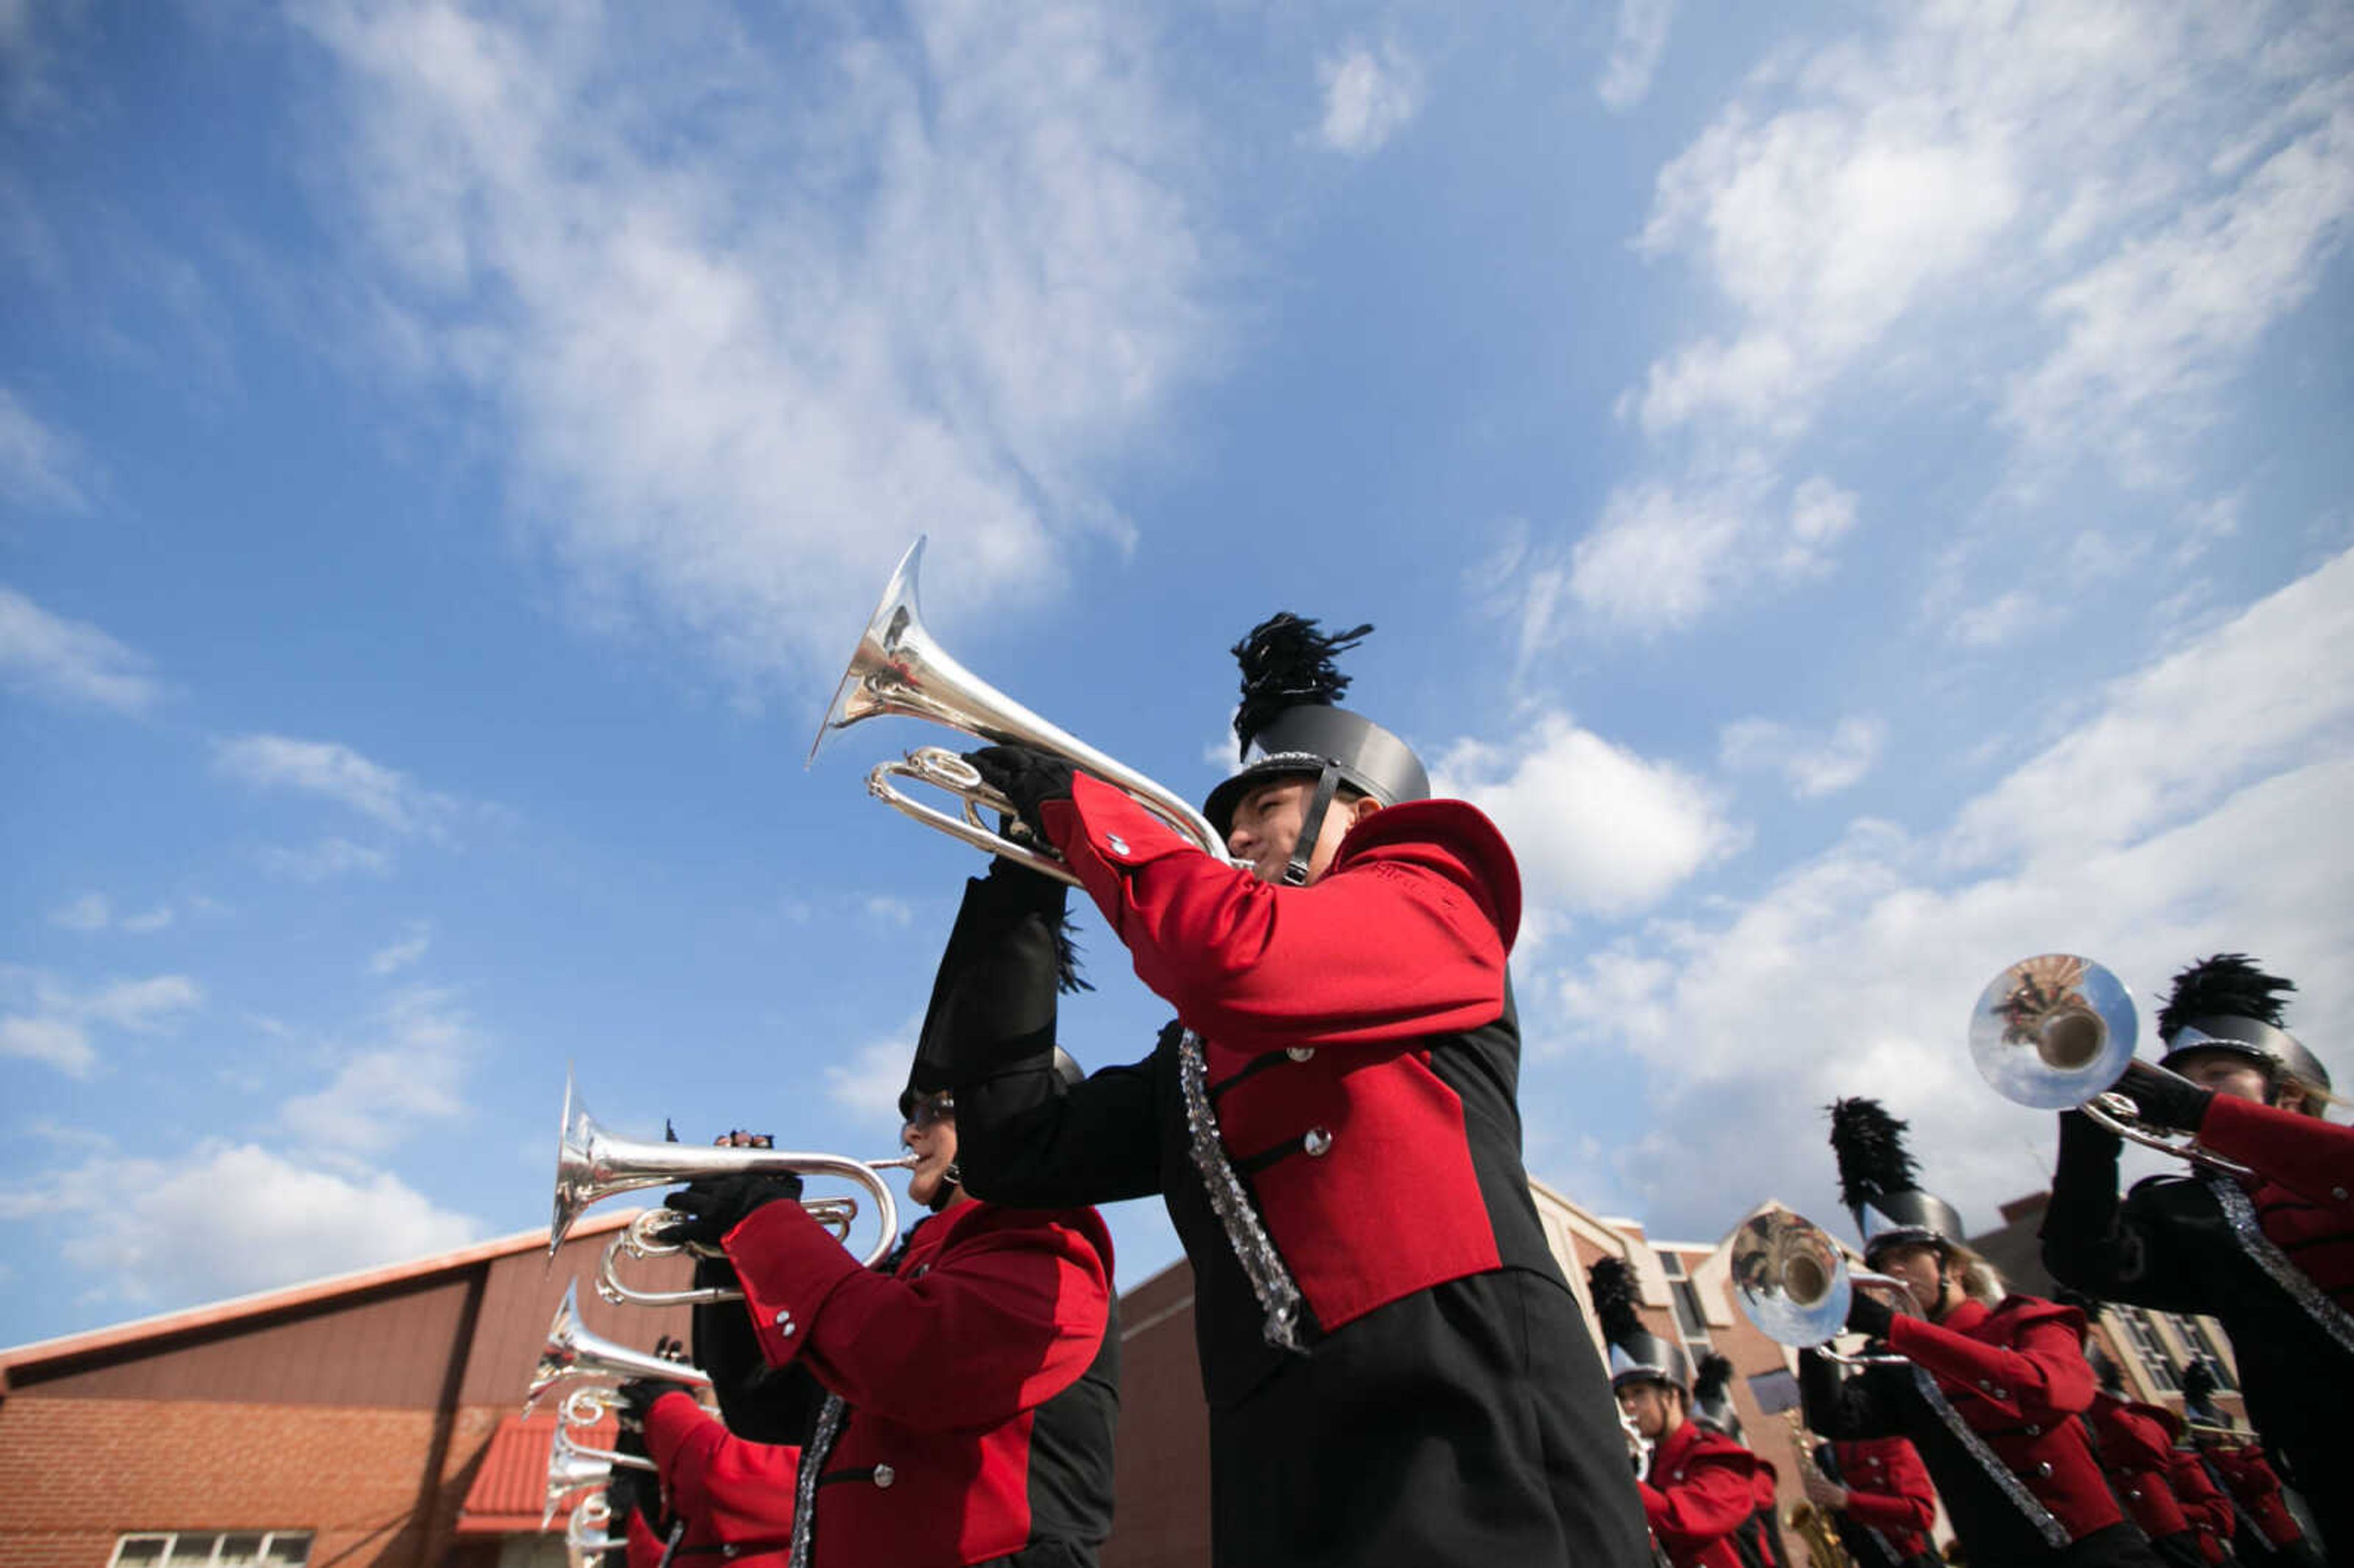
2227 1003
1636 1355
1878 1183
1288 726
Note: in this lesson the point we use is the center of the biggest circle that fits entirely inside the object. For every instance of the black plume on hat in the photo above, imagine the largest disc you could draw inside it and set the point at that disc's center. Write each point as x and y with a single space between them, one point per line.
1613 1299
1286 663
2225 986
1715 1377
2197 1382
1870 1146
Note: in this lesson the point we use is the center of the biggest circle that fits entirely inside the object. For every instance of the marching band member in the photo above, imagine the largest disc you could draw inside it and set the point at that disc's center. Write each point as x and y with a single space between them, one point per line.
2137 1445
973 1380
1396 1369
1699 1490
1760 1540
1995 1381
719 1496
2271 1256
1878 1494
2264 1532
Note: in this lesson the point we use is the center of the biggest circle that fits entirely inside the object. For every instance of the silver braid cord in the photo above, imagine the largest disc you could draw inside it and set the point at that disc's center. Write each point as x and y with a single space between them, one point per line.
820 1442
2242 1216
1270 1281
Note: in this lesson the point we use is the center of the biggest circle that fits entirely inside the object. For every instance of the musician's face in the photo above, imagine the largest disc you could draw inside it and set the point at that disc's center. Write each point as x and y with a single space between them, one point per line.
934 1144
1652 1406
1267 827
1916 1264
2226 1073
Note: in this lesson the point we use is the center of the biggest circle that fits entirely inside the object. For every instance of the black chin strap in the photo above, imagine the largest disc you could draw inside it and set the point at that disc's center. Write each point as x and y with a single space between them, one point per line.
1311 827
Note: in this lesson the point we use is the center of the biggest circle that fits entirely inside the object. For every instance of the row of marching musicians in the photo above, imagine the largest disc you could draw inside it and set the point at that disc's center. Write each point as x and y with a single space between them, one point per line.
1998 1404
1397 1369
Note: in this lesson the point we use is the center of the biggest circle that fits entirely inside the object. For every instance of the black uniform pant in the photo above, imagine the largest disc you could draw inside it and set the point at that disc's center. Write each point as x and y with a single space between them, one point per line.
1470 1424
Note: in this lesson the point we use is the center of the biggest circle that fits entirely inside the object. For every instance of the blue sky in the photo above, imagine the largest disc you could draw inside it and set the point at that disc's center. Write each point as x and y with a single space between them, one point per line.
1859 492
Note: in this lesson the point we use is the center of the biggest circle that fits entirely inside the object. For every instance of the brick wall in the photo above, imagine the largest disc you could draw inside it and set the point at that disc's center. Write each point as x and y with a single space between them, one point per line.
84 1471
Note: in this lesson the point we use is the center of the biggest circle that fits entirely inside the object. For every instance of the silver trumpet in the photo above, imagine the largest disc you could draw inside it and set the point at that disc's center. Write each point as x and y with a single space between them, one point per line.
574 1354
2056 1032
592 1164
1793 1282
580 1545
645 1236
898 670
573 1467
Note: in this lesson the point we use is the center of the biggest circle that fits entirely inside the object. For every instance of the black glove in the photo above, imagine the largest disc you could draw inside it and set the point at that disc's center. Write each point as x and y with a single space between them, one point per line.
718 1205
1867 1314
636 1398
1028 777
633 1489
2170 1099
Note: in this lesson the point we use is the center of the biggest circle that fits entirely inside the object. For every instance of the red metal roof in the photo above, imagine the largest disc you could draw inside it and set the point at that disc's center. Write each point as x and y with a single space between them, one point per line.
511 1487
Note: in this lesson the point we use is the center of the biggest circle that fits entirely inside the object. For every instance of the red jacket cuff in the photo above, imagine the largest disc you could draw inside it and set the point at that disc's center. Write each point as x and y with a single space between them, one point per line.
789 1266
674 1422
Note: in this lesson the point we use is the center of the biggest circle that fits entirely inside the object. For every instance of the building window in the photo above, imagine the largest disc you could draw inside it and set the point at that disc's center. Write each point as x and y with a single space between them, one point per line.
1686 1295
2142 1341
213 1549
2192 1332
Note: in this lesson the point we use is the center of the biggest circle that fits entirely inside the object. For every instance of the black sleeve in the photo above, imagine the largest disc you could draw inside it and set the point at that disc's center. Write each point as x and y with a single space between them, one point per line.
759 1403
1839 1406
2117 1251
993 1000
1025 1138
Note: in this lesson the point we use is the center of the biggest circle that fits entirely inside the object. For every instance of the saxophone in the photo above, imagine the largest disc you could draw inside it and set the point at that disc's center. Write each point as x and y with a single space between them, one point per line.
1810 1523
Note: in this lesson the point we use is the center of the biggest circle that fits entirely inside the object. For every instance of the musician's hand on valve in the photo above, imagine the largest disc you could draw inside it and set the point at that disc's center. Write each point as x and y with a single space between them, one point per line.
637 1397
1027 777
1825 1494
718 1205
1868 1314
2167 1098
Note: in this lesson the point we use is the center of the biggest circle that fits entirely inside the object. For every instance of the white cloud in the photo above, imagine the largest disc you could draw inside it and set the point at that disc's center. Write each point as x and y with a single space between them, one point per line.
733 298
889 910
871 1080
337 773
1597 829
2131 840
324 861
148 922
157 1232
1369 97
410 1075
1814 767
36 463
67 661
59 1042
1661 556
88 913
54 1020
400 955
1635 50
2001 620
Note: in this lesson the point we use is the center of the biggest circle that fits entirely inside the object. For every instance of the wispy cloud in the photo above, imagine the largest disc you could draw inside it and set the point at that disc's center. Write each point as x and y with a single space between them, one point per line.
1634 49
735 292
1813 766
870 1082
324 861
397 955
335 772
406 1075
90 912
51 1022
69 662
38 464
1370 95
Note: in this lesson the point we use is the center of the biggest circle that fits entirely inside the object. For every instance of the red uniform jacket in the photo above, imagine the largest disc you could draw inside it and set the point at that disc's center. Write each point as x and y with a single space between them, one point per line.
1702 1488
2305 1199
944 1363
2137 1448
2018 1376
1316 1005
2204 1504
1889 1491
732 1494
2253 1486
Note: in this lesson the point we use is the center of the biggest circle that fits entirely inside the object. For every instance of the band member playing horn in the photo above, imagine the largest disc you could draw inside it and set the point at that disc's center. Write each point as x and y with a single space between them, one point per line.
1698 1487
2270 1253
1760 1540
1878 1495
1396 1369
2136 1445
1994 1384
2263 1529
973 1377
711 1494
